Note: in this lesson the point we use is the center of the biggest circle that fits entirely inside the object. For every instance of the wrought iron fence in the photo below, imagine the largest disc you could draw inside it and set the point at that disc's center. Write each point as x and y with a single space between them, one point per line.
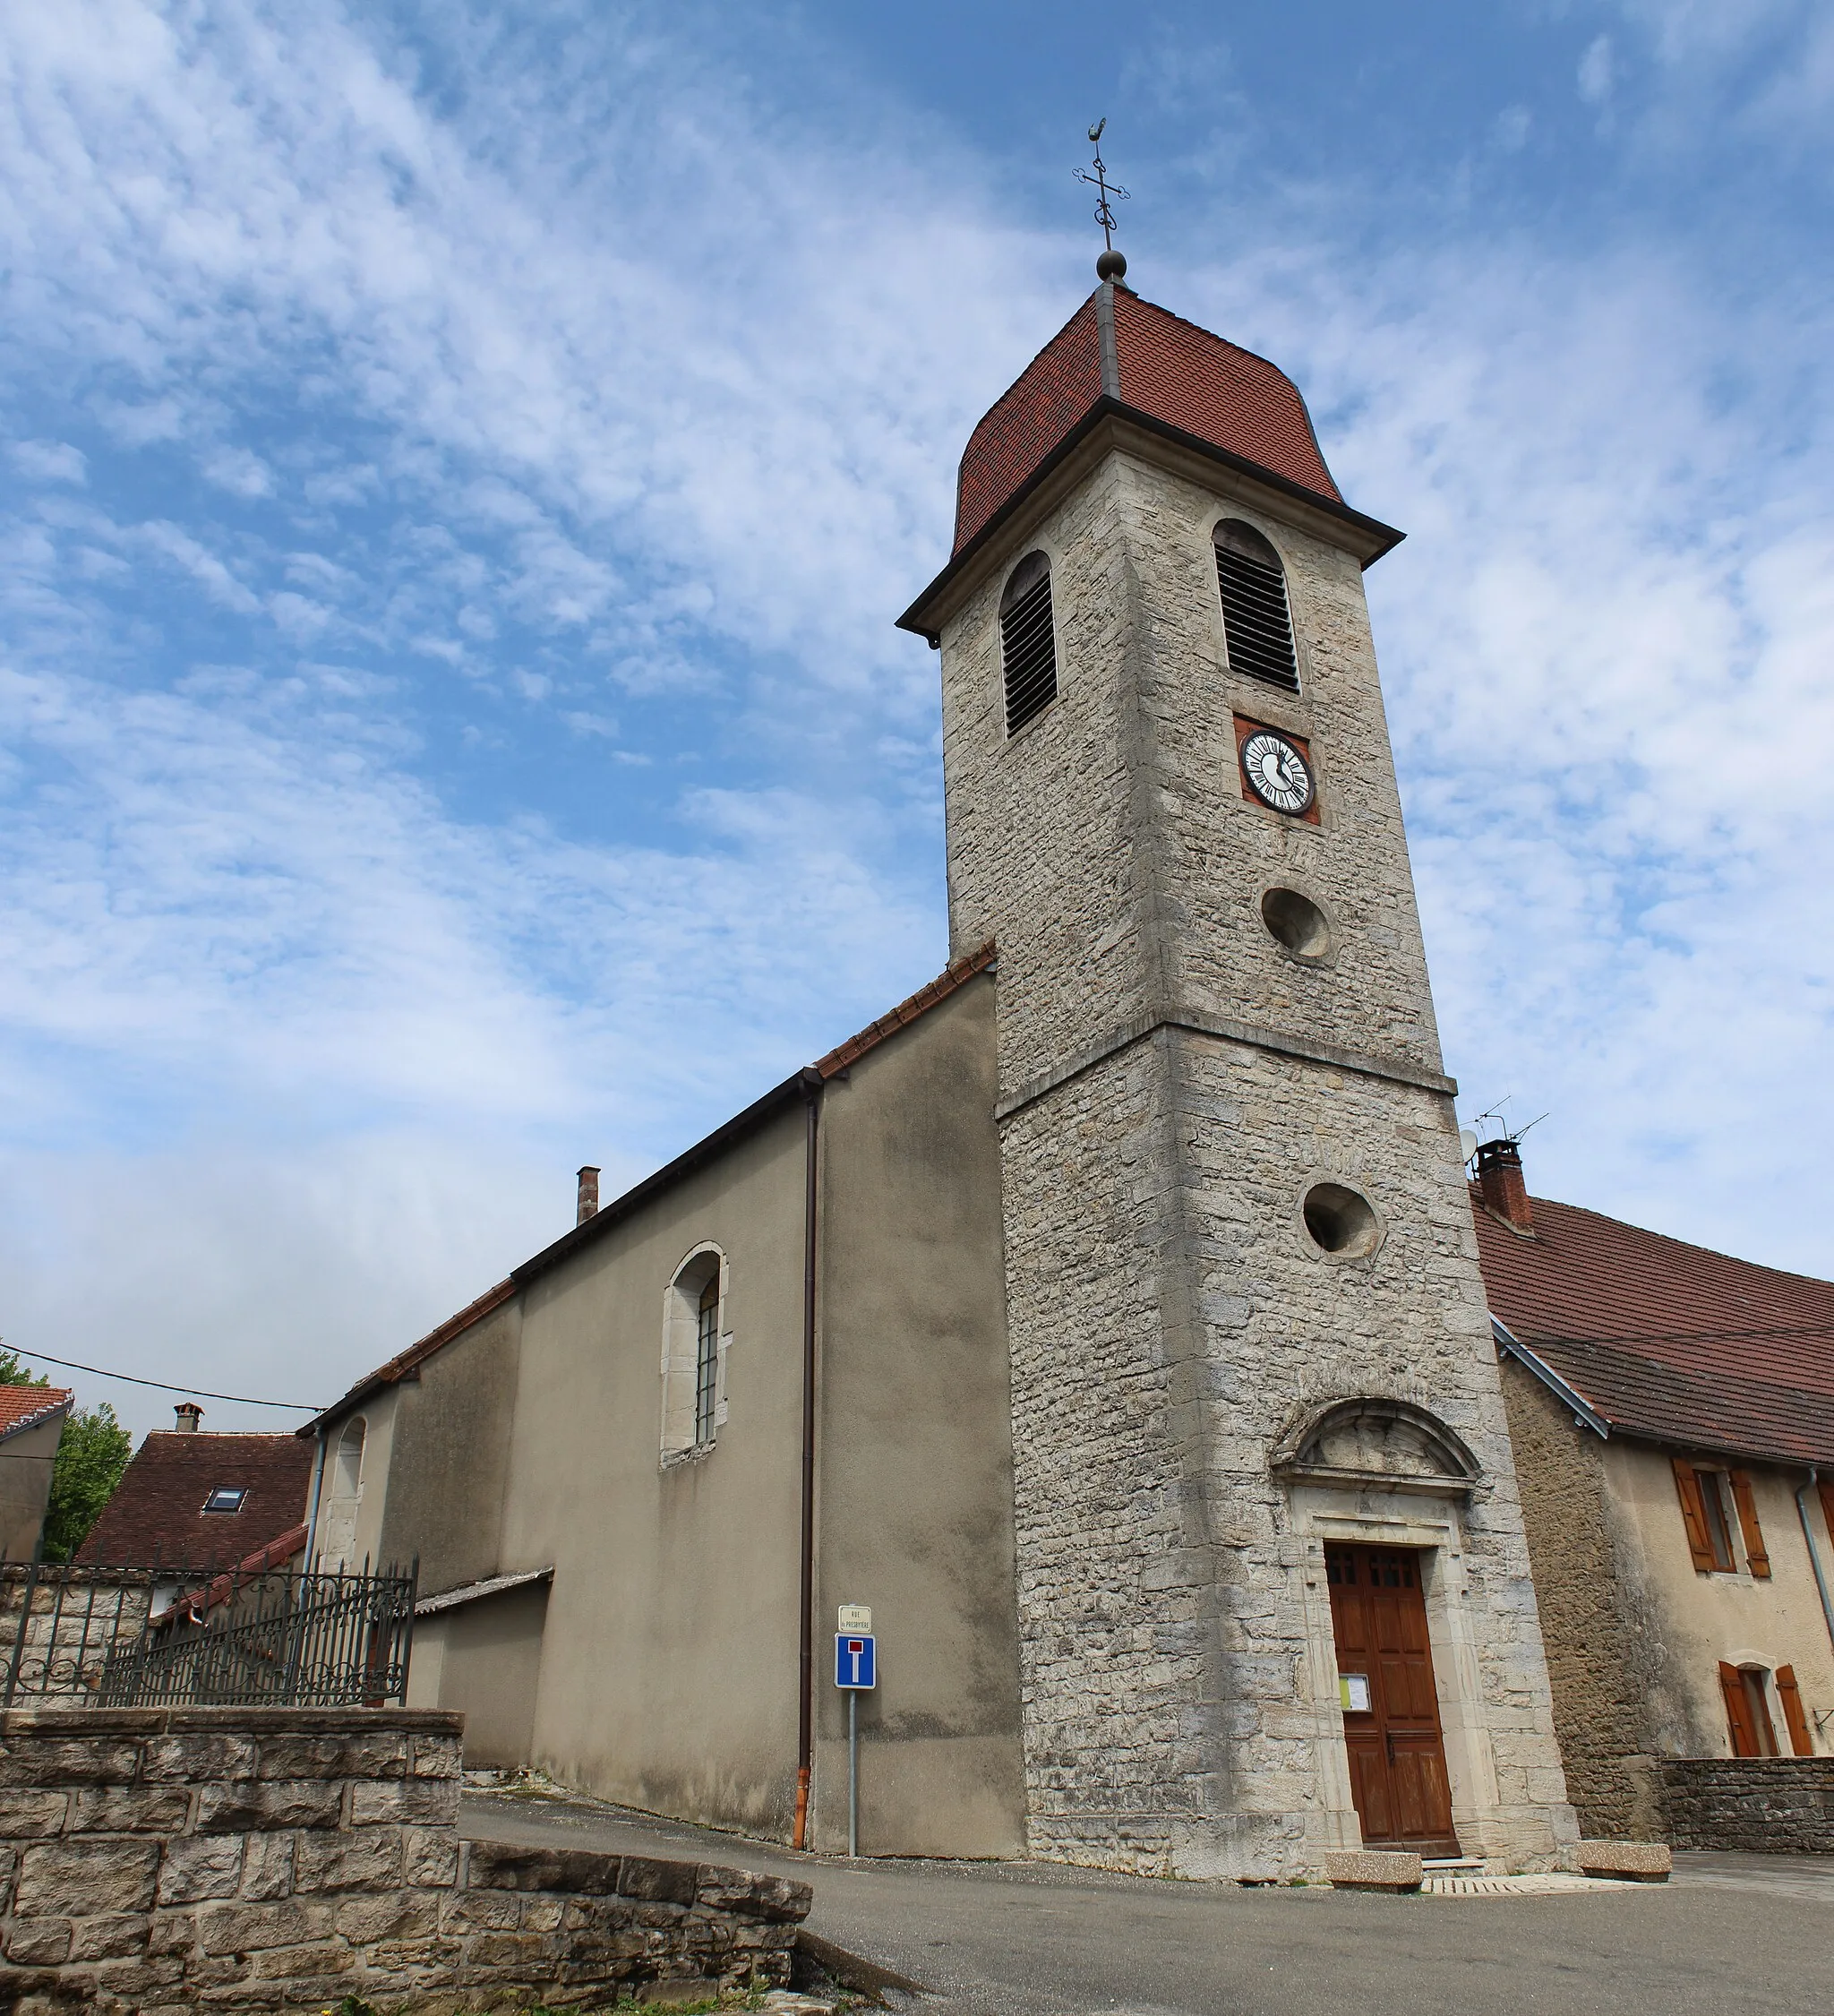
179 1636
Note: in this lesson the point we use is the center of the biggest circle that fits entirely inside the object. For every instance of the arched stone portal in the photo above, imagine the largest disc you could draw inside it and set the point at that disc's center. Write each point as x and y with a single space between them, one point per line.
1374 1471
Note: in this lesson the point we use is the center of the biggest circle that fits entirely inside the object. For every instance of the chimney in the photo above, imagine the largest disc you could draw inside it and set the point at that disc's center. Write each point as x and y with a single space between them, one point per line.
1501 1186
588 1194
189 1415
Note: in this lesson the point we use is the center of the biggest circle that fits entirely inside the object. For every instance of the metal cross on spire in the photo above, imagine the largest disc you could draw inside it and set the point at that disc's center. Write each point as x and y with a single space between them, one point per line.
1112 264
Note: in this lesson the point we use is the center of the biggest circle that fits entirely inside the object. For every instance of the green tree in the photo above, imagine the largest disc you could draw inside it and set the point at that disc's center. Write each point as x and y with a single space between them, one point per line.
93 1451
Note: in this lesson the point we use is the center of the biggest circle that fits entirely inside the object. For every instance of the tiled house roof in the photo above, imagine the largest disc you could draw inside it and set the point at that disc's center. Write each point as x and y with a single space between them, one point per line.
1165 368
1664 1340
157 1511
23 1407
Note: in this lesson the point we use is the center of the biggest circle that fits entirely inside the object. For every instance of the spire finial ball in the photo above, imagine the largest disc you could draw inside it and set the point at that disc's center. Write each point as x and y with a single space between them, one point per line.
1110 266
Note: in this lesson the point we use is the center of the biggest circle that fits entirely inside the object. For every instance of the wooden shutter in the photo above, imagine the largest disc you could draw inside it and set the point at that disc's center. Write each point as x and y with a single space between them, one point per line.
1694 1516
1738 1713
1790 1695
1827 1491
1748 1525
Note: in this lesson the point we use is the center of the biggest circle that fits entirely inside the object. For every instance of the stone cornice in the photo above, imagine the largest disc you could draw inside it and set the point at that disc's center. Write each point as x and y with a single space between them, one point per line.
1394 1069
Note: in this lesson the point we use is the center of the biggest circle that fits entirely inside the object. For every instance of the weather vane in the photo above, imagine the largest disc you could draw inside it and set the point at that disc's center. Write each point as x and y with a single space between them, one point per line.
1112 264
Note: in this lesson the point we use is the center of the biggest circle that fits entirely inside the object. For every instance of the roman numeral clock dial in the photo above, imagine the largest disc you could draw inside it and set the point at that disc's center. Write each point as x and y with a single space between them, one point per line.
1278 774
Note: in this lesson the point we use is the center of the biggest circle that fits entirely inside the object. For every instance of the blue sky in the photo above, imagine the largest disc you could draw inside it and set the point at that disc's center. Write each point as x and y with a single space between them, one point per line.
462 464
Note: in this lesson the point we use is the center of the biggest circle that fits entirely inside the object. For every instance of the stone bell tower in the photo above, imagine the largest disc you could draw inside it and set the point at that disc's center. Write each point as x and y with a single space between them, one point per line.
1250 1355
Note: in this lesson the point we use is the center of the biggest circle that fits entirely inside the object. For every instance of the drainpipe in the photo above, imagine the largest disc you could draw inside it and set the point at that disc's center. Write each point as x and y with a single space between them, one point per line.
805 1625
1802 1513
311 1502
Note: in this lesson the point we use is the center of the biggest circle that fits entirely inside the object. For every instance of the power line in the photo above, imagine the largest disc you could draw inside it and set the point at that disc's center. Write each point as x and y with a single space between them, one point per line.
166 1386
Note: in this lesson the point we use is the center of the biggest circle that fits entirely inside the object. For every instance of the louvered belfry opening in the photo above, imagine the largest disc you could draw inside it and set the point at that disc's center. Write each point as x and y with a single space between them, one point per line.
1027 648
1256 620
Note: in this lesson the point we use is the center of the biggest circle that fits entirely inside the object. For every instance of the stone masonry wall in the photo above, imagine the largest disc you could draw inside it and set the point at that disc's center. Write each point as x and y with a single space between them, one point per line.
168 1859
1603 1653
1169 1317
1770 1805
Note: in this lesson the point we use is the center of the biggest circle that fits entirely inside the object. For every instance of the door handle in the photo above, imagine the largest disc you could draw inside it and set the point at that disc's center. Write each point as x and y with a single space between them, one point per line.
1388 1738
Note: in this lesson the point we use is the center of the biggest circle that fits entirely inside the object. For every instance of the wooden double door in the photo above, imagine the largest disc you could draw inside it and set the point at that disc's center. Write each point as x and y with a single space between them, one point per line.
1391 1707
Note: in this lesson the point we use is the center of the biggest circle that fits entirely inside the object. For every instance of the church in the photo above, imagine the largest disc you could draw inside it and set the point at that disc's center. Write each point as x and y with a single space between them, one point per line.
1106 1320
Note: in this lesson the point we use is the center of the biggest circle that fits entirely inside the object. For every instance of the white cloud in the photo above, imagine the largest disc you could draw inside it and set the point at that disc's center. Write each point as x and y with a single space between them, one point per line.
51 462
665 410
1512 127
1596 72
239 472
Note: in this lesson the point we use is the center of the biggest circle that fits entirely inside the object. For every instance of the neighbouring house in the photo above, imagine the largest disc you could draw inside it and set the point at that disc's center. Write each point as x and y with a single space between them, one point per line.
31 1421
1673 1415
192 1501
1105 1323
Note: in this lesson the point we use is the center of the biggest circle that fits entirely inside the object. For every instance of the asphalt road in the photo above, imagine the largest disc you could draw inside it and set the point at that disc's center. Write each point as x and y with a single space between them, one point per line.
1731 1936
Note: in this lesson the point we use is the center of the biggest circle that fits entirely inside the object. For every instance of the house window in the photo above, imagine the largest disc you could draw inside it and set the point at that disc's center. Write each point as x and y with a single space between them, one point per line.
1028 646
1256 622
1748 1710
694 1354
1714 1504
707 1358
225 1497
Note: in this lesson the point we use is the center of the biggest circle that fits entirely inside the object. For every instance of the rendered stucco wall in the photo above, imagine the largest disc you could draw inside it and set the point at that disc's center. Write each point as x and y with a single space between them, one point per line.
483 1661
1701 1619
349 1528
668 1671
914 1461
450 1455
25 1488
1635 1634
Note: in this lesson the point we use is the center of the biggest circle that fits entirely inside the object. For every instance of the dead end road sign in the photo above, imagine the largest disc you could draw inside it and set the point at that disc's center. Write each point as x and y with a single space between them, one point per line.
855 1663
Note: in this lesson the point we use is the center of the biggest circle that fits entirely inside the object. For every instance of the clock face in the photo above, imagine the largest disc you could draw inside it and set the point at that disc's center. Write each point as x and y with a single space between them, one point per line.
1277 773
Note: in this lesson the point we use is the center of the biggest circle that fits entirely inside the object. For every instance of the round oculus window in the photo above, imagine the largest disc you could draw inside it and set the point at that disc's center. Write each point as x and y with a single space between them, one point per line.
1278 774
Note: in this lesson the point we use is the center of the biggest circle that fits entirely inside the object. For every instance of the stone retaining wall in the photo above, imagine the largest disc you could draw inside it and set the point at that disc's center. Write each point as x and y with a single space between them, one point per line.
173 1859
1773 1805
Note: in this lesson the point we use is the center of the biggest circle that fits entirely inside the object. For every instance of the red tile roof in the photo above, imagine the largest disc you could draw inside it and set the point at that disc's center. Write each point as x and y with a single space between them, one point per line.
275 1554
23 1407
1168 369
1665 1339
157 1511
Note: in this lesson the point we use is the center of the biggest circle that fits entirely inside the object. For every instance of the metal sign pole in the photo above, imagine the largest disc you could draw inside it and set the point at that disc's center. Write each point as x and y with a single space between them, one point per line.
852 1774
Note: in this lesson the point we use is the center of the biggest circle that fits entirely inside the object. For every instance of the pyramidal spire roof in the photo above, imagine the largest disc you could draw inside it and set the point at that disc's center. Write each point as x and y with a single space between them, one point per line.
1145 358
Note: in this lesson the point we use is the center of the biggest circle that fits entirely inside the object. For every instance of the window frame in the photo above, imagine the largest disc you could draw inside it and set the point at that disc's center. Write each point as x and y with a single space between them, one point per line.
238 1492
692 1413
706 1361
